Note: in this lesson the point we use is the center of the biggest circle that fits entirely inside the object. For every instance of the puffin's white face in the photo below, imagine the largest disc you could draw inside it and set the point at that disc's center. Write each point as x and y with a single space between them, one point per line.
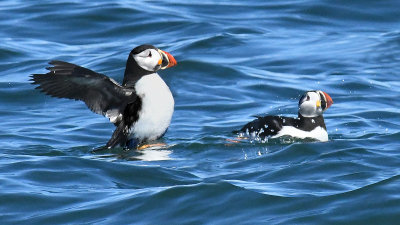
149 59
314 103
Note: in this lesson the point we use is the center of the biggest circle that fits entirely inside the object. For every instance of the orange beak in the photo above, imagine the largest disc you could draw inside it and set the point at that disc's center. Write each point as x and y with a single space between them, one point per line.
329 100
168 60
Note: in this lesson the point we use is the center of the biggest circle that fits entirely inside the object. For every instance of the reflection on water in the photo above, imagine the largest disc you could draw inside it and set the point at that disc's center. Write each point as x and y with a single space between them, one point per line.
152 153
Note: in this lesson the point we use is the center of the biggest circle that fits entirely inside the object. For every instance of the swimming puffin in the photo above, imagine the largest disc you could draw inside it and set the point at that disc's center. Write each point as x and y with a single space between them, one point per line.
141 108
309 123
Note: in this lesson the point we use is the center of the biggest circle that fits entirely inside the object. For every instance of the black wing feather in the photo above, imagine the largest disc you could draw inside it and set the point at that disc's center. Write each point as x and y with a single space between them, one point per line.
264 126
100 93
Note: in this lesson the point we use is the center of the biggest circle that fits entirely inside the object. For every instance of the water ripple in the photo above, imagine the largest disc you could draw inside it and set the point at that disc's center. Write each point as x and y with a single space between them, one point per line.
235 60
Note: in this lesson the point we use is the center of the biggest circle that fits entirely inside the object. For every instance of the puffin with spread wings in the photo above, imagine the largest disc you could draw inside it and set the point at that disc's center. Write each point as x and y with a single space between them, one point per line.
141 108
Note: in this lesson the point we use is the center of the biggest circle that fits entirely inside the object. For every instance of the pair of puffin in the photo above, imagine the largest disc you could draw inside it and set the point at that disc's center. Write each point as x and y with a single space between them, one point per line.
142 107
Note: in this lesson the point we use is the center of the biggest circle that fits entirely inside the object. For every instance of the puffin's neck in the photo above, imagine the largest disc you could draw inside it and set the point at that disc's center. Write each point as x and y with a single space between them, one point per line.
133 72
309 123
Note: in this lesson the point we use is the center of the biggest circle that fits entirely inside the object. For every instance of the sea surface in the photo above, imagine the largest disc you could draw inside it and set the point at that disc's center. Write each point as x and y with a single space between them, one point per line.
236 59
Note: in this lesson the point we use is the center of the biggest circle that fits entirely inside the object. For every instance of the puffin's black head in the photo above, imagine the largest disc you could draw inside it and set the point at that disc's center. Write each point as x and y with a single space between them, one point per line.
151 58
314 103
146 59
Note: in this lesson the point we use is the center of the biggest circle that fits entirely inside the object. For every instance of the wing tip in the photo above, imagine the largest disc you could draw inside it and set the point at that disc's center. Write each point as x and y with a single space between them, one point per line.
34 78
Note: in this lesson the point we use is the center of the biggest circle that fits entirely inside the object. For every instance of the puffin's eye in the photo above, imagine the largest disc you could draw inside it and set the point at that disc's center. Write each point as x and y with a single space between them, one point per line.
308 98
149 54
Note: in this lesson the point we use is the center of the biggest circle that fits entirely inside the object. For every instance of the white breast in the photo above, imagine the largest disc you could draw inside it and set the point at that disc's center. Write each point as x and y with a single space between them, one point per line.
318 133
157 108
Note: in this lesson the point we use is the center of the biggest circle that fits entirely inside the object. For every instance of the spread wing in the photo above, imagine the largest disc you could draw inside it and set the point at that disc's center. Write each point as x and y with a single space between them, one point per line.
100 93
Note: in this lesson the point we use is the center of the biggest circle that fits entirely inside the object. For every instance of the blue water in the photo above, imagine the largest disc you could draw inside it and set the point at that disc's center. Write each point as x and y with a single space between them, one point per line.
235 59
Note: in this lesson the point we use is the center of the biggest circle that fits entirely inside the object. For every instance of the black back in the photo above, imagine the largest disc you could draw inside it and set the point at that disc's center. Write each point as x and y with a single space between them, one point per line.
271 125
